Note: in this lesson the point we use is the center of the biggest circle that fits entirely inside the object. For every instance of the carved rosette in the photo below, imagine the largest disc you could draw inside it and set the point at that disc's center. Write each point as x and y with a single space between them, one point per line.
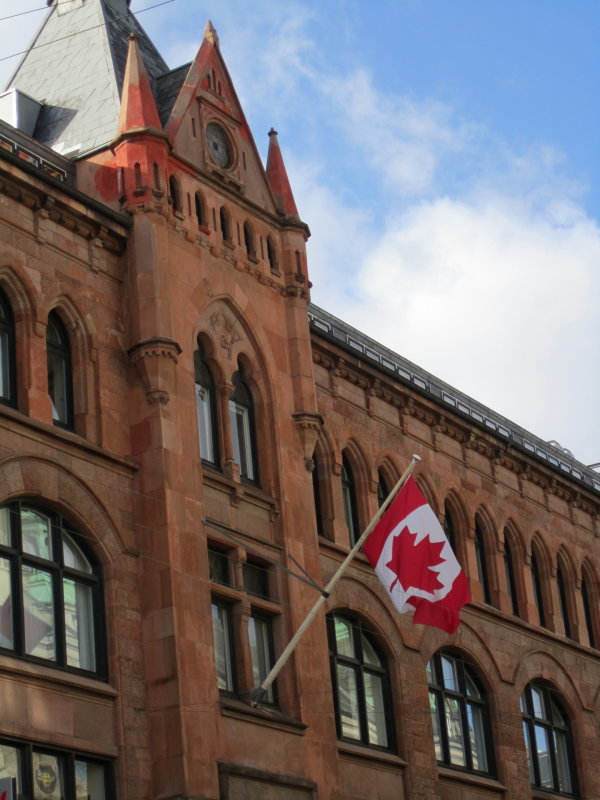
155 360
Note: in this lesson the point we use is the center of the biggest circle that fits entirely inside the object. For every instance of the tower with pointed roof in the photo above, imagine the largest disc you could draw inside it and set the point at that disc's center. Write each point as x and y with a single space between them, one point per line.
188 447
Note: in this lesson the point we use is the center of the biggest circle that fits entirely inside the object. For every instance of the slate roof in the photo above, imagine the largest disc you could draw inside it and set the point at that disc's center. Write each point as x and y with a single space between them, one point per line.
166 90
75 66
359 344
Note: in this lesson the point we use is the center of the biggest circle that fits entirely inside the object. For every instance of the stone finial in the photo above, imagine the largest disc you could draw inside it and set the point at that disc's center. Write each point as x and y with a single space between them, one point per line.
278 179
210 34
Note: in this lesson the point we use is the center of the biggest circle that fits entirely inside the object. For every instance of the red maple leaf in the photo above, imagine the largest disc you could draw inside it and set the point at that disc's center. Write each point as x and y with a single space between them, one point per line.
412 562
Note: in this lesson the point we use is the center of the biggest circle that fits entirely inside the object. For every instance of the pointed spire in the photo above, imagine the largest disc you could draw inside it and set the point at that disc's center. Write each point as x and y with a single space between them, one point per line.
278 179
138 107
210 34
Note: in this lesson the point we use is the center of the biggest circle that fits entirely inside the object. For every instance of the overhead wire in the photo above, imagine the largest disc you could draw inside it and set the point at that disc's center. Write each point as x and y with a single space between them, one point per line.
84 30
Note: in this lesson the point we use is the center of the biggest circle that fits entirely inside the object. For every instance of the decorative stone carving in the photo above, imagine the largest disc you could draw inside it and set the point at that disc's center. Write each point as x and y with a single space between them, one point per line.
308 424
155 360
225 329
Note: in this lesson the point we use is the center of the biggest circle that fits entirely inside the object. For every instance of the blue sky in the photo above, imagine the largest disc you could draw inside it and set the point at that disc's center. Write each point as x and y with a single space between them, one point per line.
445 156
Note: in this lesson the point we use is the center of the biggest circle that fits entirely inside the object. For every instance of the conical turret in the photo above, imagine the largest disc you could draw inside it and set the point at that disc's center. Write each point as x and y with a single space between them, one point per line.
278 178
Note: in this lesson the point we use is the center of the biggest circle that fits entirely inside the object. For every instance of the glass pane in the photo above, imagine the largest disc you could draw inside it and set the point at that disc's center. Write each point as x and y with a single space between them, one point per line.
38 613
218 567
537 700
558 717
477 738
349 511
471 686
431 674
369 654
205 428
4 367
529 751
58 387
90 781
565 782
348 702
543 757
240 432
449 673
73 555
221 636
5 537
256 579
10 764
435 721
259 636
454 730
376 722
79 625
344 637
36 533
48 777
6 609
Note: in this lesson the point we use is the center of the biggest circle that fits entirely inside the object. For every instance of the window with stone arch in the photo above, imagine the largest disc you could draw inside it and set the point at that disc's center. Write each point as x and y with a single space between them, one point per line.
200 208
8 387
175 193
510 557
206 407
243 426
249 239
225 224
591 603
350 498
483 558
566 596
386 481
272 255
52 584
540 574
459 714
548 740
361 683
60 372
321 485
455 525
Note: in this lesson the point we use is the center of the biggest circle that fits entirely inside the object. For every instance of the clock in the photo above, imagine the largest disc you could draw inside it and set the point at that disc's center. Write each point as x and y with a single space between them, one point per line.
218 145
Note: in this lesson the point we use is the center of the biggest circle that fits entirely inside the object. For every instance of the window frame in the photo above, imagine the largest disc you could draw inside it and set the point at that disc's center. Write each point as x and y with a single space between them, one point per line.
440 692
19 560
481 559
350 500
62 353
69 758
511 582
241 406
551 727
538 589
359 667
8 370
204 383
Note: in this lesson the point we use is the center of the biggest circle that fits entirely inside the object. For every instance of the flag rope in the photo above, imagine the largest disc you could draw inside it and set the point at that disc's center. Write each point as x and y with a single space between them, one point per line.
258 693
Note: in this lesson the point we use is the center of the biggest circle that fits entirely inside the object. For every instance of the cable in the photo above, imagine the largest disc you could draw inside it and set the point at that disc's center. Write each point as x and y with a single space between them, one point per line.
85 30
32 11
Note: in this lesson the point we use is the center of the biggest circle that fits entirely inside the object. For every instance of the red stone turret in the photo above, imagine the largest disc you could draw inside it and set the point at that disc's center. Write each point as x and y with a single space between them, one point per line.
278 179
138 108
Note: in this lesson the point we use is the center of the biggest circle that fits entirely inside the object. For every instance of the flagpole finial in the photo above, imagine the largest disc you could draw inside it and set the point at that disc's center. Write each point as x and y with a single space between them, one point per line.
416 457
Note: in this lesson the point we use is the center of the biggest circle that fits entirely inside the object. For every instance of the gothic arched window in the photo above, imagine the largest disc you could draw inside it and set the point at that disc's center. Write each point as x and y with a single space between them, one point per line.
201 217
349 497
60 379
587 597
548 741
382 488
225 224
563 598
272 255
482 563
175 193
50 590
7 353
206 409
509 569
241 411
459 714
538 593
363 707
249 243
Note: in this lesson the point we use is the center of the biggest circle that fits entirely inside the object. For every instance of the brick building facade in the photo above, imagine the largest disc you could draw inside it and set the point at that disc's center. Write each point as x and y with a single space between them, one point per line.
178 422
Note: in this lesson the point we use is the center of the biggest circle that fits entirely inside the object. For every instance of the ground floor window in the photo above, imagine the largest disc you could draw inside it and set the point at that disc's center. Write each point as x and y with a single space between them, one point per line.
46 774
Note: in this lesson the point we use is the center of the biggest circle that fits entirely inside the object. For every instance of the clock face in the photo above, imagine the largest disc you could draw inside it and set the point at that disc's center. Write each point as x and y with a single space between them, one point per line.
218 145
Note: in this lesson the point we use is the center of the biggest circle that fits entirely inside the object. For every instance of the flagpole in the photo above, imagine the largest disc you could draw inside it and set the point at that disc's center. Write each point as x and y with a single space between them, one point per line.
258 693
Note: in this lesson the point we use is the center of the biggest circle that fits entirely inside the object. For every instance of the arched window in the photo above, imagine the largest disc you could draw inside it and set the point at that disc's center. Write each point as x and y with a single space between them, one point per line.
349 497
449 528
587 598
60 380
249 239
7 353
201 217
175 193
241 413
382 488
316 484
459 714
548 741
272 254
206 409
563 600
482 563
225 224
363 707
50 591
509 569
538 594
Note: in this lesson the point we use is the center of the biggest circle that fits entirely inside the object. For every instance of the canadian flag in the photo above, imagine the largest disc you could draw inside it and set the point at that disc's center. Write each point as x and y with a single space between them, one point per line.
414 561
